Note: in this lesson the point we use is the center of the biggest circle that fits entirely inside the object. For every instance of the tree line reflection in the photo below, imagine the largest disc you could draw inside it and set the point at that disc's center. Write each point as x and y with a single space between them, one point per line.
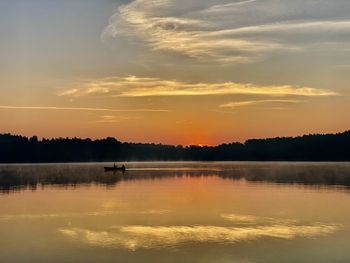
17 178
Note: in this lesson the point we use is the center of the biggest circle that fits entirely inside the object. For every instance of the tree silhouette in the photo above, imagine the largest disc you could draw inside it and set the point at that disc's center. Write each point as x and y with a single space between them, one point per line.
315 147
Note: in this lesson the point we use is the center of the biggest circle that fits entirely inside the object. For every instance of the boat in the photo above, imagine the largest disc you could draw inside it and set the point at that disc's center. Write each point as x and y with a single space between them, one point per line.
115 168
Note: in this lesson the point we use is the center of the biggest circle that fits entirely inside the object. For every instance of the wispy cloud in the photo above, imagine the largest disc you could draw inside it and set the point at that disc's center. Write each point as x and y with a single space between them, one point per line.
133 86
291 27
110 119
224 7
236 104
185 35
7 107
239 32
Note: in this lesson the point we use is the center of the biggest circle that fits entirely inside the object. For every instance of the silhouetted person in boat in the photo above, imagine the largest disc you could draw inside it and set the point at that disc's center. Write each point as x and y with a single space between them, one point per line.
123 167
114 166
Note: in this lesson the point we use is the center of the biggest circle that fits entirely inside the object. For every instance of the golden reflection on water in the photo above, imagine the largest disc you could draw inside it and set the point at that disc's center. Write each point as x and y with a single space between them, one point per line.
199 217
10 217
135 237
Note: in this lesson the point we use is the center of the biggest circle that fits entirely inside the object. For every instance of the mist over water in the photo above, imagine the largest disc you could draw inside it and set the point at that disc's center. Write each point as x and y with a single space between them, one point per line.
175 212
31 176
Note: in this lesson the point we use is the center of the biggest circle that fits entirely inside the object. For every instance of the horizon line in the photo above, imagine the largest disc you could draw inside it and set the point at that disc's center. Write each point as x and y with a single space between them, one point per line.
40 139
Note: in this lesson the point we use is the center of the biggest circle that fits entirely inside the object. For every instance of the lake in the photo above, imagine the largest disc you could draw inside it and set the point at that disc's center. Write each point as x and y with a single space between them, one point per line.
242 212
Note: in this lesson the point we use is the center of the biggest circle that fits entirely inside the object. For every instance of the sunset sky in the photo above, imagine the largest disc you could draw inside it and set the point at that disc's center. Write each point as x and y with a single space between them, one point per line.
174 71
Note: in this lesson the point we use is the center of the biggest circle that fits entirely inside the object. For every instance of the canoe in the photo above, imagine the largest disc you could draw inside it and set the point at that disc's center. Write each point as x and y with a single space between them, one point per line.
114 168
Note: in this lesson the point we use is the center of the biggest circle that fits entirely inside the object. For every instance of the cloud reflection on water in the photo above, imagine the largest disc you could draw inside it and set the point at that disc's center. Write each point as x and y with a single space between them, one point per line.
9 217
248 219
133 237
151 237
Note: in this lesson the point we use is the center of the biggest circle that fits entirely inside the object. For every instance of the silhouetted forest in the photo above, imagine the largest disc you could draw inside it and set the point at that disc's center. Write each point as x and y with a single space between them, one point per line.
316 147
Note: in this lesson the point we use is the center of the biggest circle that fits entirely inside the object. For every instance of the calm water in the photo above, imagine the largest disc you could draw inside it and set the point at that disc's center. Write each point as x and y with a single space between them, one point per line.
176 212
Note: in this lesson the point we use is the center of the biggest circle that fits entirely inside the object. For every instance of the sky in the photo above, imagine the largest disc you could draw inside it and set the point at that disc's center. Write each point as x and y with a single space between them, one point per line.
174 71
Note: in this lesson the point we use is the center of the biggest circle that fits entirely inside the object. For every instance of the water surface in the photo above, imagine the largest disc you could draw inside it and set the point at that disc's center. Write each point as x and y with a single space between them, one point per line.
175 212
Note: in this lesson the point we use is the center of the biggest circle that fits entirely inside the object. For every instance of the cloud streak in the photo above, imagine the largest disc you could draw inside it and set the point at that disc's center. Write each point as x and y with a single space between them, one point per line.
237 32
109 119
295 27
7 107
237 104
133 86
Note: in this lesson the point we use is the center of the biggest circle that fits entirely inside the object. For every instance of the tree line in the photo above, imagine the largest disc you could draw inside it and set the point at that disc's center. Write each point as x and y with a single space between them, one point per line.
314 147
